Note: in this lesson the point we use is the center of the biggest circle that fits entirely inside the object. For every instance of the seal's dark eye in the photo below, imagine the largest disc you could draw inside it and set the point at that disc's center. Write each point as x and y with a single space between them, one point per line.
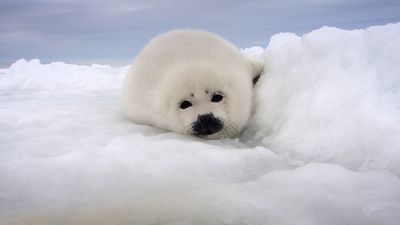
185 104
217 97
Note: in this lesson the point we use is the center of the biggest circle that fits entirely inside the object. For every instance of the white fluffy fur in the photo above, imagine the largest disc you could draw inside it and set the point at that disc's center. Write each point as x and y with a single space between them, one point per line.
181 63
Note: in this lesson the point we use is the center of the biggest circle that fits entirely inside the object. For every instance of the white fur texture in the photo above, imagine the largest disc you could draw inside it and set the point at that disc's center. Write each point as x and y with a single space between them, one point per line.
190 65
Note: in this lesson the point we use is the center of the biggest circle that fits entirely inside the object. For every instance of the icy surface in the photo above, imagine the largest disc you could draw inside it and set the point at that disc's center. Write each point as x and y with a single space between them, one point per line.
323 146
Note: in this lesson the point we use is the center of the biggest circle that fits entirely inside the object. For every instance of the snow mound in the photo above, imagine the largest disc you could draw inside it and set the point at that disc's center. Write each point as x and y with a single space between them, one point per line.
255 51
34 76
332 96
322 147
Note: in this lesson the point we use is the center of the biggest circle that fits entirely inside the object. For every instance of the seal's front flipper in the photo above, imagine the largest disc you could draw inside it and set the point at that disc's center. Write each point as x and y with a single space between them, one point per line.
257 68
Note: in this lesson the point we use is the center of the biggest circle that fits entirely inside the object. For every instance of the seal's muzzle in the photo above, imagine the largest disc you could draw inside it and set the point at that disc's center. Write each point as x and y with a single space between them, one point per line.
207 124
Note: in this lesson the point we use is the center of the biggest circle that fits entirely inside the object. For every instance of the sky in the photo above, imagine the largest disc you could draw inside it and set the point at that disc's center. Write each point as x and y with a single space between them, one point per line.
114 31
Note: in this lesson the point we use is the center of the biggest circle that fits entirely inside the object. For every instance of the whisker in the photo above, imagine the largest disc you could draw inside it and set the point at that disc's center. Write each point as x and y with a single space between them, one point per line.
189 130
230 129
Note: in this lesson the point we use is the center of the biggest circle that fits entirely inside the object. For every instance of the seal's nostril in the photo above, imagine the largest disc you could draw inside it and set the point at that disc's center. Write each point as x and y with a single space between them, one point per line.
207 124
205 119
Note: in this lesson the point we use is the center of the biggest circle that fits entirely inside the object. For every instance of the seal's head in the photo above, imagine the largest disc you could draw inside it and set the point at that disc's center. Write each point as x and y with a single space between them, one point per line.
208 101
191 82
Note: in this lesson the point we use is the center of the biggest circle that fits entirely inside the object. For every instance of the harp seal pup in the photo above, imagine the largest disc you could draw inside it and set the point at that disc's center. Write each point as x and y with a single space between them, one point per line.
191 82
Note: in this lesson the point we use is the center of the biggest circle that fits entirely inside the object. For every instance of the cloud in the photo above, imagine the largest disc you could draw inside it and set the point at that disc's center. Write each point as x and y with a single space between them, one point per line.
72 30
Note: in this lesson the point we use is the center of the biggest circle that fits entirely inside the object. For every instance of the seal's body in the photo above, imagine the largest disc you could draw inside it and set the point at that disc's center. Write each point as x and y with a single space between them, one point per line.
191 82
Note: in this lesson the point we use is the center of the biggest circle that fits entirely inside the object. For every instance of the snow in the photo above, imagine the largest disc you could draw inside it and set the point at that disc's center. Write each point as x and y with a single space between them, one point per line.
323 146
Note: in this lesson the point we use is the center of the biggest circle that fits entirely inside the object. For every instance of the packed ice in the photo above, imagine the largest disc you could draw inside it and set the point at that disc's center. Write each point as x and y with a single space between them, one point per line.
322 146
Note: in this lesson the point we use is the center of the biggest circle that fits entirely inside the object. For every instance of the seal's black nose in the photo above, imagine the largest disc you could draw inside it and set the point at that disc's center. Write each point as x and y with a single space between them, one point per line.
207 124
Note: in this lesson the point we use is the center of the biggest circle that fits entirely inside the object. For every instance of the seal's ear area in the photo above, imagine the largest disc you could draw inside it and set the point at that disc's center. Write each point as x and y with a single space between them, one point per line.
257 67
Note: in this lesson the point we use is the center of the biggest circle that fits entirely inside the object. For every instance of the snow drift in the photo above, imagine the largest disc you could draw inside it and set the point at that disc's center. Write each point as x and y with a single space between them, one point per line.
333 96
323 146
